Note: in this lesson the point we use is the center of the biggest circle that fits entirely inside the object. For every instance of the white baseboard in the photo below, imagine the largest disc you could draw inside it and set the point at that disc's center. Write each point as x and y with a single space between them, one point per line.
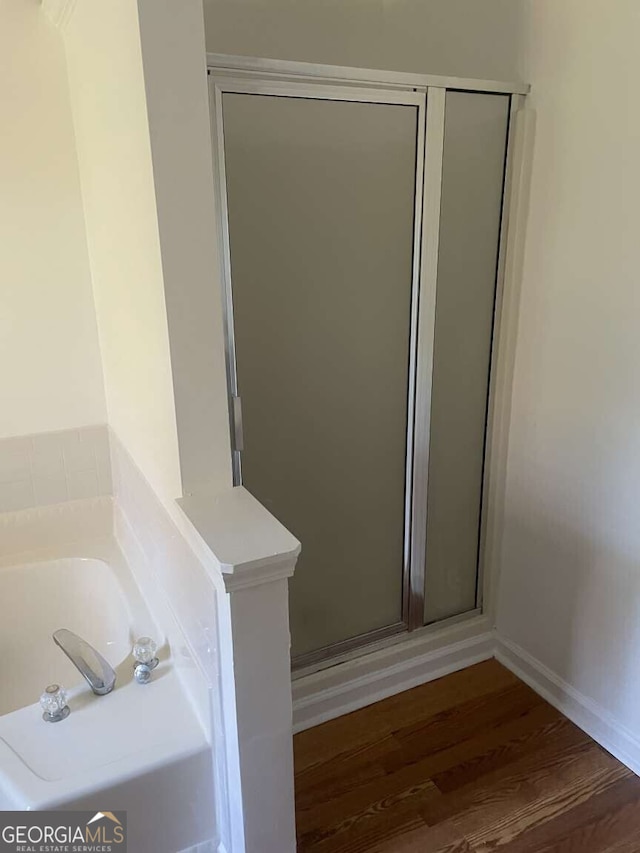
584 712
356 683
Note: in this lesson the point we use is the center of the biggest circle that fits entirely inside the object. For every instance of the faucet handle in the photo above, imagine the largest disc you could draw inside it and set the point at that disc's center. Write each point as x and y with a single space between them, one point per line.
144 652
54 704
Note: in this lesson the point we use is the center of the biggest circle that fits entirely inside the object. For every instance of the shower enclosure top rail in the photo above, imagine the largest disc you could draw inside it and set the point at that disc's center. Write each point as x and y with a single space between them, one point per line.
241 65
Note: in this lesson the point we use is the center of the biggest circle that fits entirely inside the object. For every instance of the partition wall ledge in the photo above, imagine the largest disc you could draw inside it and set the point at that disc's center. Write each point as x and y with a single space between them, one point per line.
251 546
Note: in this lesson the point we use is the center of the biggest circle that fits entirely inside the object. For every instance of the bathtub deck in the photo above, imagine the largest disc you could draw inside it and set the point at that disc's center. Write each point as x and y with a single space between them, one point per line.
466 764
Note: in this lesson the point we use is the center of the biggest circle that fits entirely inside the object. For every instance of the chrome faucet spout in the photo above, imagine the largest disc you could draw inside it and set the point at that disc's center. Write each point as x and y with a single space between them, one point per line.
100 676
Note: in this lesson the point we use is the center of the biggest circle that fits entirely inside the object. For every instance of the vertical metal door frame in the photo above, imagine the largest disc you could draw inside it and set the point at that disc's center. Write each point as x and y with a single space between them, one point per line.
413 392
428 276
220 177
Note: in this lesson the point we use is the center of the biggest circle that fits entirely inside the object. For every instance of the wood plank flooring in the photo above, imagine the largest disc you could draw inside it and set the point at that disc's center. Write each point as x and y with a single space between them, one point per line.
471 763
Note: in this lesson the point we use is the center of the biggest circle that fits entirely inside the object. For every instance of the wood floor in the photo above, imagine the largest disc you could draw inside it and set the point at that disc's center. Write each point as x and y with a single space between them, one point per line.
471 763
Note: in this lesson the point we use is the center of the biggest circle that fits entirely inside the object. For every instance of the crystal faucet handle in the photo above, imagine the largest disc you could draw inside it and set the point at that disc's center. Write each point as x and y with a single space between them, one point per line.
54 704
144 652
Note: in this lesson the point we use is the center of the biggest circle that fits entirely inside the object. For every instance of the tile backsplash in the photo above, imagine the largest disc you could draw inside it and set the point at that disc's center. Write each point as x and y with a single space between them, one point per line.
54 467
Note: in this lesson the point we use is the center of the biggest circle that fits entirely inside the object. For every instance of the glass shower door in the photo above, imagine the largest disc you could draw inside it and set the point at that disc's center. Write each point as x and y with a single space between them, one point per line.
321 194
473 165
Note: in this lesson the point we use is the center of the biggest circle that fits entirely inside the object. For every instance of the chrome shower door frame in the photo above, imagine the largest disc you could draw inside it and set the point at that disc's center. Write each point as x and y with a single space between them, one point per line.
242 75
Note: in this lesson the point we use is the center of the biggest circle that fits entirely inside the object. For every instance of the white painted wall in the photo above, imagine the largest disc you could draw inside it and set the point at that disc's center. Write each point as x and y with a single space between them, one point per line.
177 99
110 116
138 82
465 38
570 582
50 374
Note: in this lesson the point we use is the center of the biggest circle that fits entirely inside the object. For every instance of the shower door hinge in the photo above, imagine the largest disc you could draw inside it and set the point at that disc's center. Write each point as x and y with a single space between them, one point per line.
236 414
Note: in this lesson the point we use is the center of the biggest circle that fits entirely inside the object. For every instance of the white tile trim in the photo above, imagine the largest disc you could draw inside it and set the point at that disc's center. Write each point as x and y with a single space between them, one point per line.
43 528
51 468
157 542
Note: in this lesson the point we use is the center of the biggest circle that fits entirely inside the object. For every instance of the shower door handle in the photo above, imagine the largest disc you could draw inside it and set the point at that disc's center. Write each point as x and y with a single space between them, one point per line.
238 437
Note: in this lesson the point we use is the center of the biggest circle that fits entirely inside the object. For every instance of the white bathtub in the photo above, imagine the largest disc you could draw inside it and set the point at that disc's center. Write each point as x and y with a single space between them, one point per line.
83 595
139 748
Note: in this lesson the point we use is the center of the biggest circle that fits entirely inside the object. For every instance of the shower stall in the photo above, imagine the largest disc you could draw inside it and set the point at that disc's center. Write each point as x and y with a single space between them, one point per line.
362 215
